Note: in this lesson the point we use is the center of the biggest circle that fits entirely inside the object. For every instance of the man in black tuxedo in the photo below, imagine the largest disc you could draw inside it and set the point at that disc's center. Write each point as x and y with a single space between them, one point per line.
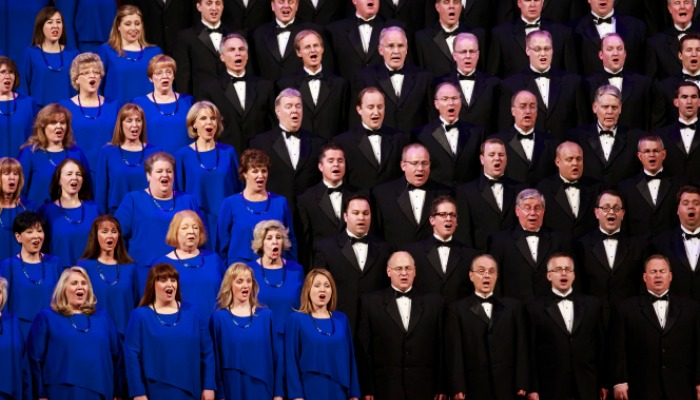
662 48
610 260
324 94
486 204
162 20
650 196
681 245
356 258
486 340
435 43
402 206
689 54
530 151
246 15
293 151
561 11
608 147
453 144
372 149
399 338
507 54
443 262
681 138
321 12
561 100
523 251
566 339
570 196
405 86
197 51
602 20
245 100
652 344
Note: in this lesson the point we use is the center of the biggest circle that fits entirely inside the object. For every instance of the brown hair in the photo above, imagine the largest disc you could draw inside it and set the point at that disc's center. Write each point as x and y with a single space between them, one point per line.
92 246
47 115
7 61
252 158
225 297
156 273
8 164
306 306
115 39
41 17
55 187
161 61
157 156
118 136
171 236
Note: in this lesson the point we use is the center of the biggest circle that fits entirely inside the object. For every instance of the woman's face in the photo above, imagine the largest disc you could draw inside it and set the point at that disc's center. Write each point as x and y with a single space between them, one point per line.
9 181
256 178
55 130
31 239
162 78
321 292
188 234
273 242
53 28
76 290
107 236
241 287
161 176
166 288
71 179
130 28
205 124
7 79
132 125
89 78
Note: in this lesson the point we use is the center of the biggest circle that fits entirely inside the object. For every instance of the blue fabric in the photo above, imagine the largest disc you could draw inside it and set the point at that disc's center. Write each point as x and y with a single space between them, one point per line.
169 132
180 356
15 129
38 166
144 225
14 380
126 79
37 80
87 20
319 366
284 299
119 299
115 178
17 22
236 224
8 243
60 356
210 188
26 299
66 239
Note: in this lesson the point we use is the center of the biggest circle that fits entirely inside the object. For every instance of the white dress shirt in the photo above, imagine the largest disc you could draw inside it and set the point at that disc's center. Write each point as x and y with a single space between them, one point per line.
692 247
610 246
443 252
660 308
283 37
566 308
653 184
376 142
488 307
687 134
404 305
293 144
542 86
360 250
497 190
417 197
527 143
606 141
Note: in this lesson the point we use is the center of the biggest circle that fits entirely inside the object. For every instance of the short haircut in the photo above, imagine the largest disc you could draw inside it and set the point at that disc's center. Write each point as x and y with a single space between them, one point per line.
193 114
480 256
690 189
518 93
328 147
440 200
357 196
171 236
651 138
12 68
303 34
260 231
529 194
158 156
363 92
118 135
288 92
687 37
156 273
161 61
610 35
610 192
222 45
412 146
55 190
397 254
535 34
562 145
80 62
306 305
490 141
606 90
653 257
388 29
252 158
59 299
678 89
560 254
466 36
450 84
27 220
224 299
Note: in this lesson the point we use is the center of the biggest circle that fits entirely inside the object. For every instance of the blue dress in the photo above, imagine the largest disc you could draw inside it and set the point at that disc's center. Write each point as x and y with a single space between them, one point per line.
68 229
245 362
166 124
92 128
8 244
46 85
209 185
87 22
14 381
168 362
237 221
115 289
318 366
30 287
145 223
17 21
125 77
119 172
38 166
16 120
200 280
69 361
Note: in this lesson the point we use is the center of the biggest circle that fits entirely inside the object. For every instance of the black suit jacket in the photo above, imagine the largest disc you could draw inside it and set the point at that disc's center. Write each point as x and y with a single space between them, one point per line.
363 170
686 282
561 11
479 215
559 216
326 11
486 358
197 59
576 358
678 161
394 217
622 162
163 20
328 117
482 108
445 167
518 167
413 15
507 52
394 362
642 216
336 254
567 101
668 88
520 276
657 363
241 124
403 113
661 60
432 52
245 19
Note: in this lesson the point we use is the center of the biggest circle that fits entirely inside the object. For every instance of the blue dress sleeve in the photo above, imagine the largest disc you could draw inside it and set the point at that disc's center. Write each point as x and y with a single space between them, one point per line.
216 336
223 229
36 352
25 159
180 171
292 353
125 215
289 223
206 349
132 354
25 71
102 181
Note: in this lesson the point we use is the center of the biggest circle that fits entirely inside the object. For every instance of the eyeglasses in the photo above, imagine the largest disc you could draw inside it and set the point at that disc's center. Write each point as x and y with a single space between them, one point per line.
167 72
401 270
465 52
393 46
90 72
606 209
523 107
650 152
424 163
445 215
484 272
535 209
7 73
454 99
538 49
559 270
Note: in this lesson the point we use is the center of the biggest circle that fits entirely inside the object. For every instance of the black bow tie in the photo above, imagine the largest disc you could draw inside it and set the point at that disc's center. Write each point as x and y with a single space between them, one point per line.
463 77
290 134
599 21
447 34
485 300
399 294
614 236
370 132
440 243
279 29
655 298
567 185
521 136
678 32
338 189
530 233
215 30
569 297
411 187
235 79
536 25
495 181
692 126
393 72
688 236
545 74
652 177
693 78
451 126
363 239
310 77
614 74
608 133
370 22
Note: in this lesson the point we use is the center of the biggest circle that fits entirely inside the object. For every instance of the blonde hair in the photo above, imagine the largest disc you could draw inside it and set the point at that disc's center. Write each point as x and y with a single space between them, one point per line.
171 237
224 299
160 61
193 113
3 292
306 305
8 164
115 39
261 229
59 300
80 62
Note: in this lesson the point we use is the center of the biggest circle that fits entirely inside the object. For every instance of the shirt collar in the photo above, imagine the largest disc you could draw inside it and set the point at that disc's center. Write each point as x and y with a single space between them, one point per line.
560 294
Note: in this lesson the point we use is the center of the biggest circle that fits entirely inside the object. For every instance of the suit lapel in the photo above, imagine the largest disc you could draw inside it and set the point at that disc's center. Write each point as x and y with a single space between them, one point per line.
554 93
434 259
405 206
441 137
415 315
280 148
387 87
496 313
372 254
206 41
304 152
579 310
648 311
452 261
672 314
695 142
519 34
563 201
306 94
272 45
365 148
478 310
356 40
406 87
393 309
349 254
664 188
598 250
623 249
594 142
517 147
487 195
479 86
232 96
554 312
441 43
324 203
386 147
325 88
643 190
679 249
618 145
524 248
250 95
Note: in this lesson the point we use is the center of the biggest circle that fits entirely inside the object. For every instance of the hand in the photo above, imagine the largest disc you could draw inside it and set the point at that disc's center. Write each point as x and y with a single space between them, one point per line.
368 397
459 396
521 392
620 391
354 398
278 398
603 393
533 396
440 397
207 395
141 398
697 392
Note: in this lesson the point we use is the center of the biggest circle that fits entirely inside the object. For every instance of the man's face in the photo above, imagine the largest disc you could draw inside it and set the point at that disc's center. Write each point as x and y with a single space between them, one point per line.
524 111
530 9
613 53
610 220
235 55
652 155
530 214
448 103
289 112
494 160
607 110
366 8
688 211
483 275
690 55
416 166
539 51
687 102
311 52
358 217
466 55
393 49
444 221
402 271
285 10
569 161
448 12
561 273
601 8
657 276
681 11
372 110
332 166
211 10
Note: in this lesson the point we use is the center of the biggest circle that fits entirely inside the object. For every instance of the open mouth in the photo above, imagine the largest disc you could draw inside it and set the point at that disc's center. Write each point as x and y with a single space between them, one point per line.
322 296
11 186
564 281
109 242
314 57
164 181
80 294
169 291
486 284
209 129
238 61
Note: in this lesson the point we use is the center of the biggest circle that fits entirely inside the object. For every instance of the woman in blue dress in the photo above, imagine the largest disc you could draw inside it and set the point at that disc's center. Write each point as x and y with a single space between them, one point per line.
207 169
201 271
73 347
30 273
51 143
120 162
319 357
241 212
16 111
87 21
242 331
167 349
145 214
70 213
126 56
46 63
14 381
111 270
166 110
93 117
11 204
